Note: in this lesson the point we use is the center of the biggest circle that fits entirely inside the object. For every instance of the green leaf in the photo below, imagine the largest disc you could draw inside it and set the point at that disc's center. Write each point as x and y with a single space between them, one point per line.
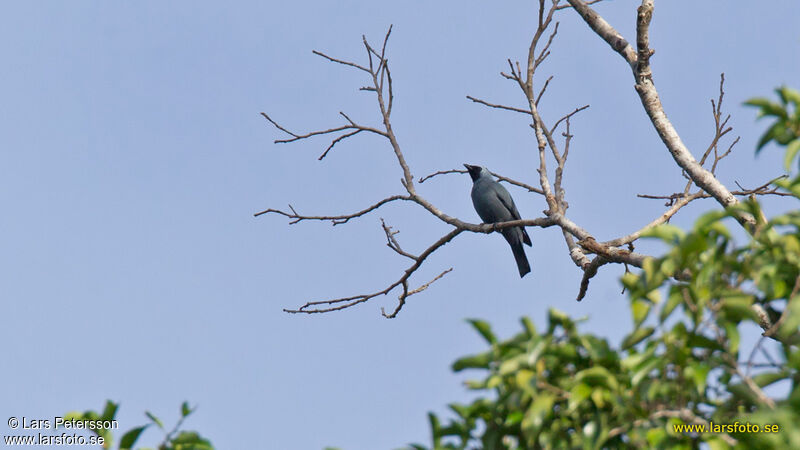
666 232
541 407
698 373
777 129
577 395
637 336
637 359
743 392
716 443
732 331
675 298
767 107
512 365
597 376
789 95
791 319
74 415
530 328
765 379
639 310
484 329
129 438
698 340
791 153
109 411
433 420
514 418
185 409
190 440
480 361
737 306
630 280
655 436
708 218
154 419
556 317
599 397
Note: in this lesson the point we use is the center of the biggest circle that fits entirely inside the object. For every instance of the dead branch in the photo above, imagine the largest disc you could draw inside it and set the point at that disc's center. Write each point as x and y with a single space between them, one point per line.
493 105
675 207
347 302
499 177
351 126
382 85
592 2
544 88
639 60
588 274
580 243
567 117
402 298
335 220
760 190
392 243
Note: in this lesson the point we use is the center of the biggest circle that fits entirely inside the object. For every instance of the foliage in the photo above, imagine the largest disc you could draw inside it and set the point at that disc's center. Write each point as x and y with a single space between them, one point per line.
174 439
786 128
683 362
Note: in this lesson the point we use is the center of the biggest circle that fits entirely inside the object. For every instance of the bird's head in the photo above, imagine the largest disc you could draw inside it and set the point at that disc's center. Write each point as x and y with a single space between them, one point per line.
476 172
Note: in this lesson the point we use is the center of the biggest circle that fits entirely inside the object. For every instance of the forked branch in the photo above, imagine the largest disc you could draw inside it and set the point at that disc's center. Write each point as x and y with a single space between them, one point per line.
381 84
587 252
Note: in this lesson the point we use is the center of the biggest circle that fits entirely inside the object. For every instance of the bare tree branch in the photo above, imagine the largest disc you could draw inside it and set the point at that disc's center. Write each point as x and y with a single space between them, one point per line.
639 61
402 298
676 205
392 243
347 302
492 105
592 2
612 254
581 244
545 52
605 31
760 190
588 274
352 126
339 61
440 172
567 117
525 186
544 88
335 220
381 85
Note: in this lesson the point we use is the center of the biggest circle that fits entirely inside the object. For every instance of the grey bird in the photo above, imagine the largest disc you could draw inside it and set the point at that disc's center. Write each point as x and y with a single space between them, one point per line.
494 204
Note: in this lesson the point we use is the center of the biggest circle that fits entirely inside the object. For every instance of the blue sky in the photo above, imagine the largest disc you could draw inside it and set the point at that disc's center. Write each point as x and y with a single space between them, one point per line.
134 156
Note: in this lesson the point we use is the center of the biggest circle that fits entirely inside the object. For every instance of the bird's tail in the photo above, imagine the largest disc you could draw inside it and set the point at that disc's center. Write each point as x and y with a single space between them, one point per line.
522 261
519 252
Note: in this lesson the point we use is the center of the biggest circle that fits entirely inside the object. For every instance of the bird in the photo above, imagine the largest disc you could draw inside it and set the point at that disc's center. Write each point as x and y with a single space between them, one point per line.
494 204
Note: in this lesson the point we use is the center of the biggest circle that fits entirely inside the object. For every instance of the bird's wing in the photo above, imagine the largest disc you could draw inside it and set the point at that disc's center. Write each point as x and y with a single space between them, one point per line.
508 202
505 198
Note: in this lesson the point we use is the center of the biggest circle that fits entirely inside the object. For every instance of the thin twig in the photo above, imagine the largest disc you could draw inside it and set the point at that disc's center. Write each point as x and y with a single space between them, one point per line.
407 293
493 105
525 186
347 302
335 220
392 243
339 61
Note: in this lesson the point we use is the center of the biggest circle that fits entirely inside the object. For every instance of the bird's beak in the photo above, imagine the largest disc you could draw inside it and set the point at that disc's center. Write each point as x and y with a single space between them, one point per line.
468 166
